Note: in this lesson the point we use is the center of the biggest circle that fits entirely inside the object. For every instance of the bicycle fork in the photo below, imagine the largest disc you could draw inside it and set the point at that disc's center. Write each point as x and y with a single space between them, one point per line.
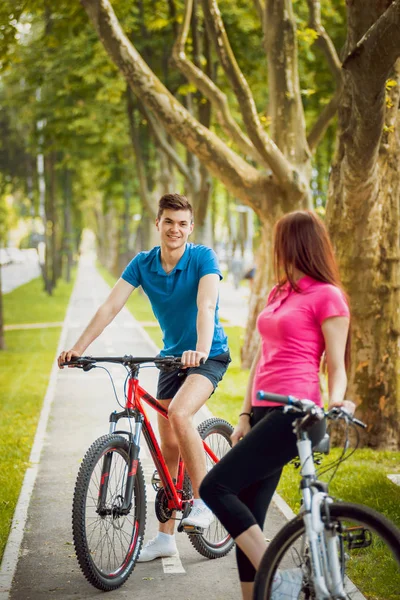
326 569
123 503
325 550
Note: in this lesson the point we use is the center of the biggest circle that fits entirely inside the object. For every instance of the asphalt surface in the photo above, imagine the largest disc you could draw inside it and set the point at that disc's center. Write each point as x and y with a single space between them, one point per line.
47 567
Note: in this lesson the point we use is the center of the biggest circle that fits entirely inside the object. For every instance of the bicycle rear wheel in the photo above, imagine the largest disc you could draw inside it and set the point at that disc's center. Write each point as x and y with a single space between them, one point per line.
215 541
368 543
107 543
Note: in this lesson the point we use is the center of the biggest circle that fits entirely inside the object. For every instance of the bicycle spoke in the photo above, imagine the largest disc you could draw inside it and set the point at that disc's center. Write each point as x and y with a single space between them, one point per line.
109 537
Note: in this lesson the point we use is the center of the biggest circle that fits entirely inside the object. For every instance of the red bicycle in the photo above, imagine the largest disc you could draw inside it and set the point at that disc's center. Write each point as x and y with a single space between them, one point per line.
109 504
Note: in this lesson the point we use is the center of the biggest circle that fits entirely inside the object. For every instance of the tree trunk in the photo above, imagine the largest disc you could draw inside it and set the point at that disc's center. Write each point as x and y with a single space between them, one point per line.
124 255
363 219
42 204
51 219
67 243
262 285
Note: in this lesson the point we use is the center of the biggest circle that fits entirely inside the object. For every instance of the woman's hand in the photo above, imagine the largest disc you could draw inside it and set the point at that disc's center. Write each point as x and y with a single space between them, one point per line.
242 428
348 405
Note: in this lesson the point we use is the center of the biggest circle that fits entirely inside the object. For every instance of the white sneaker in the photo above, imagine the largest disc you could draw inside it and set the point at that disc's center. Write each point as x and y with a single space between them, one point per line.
200 516
158 548
287 584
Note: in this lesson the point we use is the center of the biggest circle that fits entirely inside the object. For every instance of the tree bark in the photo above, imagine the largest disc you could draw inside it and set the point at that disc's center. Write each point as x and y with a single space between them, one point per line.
363 220
262 284
243 180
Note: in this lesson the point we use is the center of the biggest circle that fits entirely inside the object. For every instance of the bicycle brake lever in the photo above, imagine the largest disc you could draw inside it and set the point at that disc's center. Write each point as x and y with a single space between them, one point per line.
88 367
288 408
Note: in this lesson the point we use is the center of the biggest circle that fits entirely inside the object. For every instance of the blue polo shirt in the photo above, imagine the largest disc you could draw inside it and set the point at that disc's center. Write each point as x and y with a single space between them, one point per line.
173 296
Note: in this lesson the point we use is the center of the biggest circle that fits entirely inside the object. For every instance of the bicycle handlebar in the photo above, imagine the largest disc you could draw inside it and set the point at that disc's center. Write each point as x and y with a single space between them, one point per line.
279 399
87 362
307 405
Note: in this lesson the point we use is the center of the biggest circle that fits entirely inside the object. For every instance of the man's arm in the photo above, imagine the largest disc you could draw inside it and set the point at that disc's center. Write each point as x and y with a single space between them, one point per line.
207 296
103 317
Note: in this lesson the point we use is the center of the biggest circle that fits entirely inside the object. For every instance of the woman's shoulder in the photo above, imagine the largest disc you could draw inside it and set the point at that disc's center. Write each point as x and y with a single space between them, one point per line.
326 290
328 300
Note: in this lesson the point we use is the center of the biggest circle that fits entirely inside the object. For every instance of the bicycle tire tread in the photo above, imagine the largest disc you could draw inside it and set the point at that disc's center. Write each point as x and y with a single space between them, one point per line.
89 461
197 540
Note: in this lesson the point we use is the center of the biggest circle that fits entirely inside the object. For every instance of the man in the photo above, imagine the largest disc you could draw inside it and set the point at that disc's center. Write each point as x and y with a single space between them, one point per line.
181 281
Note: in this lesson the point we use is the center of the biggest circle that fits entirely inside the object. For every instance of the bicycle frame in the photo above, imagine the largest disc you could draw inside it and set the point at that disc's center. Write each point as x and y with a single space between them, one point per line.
134 409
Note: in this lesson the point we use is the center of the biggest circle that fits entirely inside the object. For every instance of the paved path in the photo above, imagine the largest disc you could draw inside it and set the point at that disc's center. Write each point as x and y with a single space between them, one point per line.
47 567
14 275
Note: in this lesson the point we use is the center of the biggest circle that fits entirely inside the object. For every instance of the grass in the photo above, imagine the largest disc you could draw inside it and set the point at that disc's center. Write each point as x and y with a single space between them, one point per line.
361 479
25 367
227 400
30 304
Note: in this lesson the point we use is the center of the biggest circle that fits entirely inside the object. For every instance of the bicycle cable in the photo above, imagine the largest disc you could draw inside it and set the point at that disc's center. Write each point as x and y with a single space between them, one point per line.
112 382
343 457
128 373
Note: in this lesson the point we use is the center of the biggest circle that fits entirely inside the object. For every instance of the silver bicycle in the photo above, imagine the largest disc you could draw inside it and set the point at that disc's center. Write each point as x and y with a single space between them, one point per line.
330 545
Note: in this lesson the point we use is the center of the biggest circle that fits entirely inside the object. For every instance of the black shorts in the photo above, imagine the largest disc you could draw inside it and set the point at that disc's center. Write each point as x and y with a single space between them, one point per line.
214 369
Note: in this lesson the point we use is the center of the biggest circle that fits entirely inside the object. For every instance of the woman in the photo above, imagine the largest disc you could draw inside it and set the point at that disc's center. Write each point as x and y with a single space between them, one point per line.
306 314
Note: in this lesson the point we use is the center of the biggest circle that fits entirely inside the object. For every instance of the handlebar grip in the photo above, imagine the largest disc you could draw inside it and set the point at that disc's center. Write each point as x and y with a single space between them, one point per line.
72 362
278 398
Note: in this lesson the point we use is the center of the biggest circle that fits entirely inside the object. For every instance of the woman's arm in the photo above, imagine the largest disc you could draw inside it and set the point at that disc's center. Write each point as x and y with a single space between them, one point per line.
335 331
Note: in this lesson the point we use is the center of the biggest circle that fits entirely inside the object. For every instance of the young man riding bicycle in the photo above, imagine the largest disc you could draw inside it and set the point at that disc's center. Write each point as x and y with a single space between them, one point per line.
181 281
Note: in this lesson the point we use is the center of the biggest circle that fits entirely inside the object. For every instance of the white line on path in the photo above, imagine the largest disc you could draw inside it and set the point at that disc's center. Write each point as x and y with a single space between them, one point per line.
31 326
12 549
172 565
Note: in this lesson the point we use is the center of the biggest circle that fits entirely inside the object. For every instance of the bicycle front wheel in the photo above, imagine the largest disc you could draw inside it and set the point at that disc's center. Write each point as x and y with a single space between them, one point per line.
369 552
107 542
215 541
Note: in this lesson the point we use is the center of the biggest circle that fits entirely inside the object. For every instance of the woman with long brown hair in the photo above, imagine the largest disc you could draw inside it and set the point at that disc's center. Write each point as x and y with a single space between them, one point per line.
306 315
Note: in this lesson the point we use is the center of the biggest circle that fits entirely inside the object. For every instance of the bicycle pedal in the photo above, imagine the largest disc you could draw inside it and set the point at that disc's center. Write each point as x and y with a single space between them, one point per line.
156 481
358 537
192 529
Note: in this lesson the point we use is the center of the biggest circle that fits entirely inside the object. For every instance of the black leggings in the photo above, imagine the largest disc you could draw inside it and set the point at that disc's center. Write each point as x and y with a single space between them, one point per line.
240 487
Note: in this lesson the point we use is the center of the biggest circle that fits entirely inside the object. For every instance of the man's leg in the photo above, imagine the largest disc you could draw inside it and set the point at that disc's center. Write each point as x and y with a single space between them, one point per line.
170 452
164 545
189 399
179 436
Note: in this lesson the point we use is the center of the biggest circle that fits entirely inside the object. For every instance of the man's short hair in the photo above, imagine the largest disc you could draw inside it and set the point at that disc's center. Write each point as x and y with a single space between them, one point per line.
174 202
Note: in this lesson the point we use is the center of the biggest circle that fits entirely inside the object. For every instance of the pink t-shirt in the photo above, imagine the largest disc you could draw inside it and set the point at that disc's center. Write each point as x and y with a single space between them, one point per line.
292 339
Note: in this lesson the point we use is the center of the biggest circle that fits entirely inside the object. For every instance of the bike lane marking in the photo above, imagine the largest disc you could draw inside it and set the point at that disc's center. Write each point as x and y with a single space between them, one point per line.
172 565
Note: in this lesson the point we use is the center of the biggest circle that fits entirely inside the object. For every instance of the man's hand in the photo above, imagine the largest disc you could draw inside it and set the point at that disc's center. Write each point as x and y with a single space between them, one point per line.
192 358
241 429
348 405
66 356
